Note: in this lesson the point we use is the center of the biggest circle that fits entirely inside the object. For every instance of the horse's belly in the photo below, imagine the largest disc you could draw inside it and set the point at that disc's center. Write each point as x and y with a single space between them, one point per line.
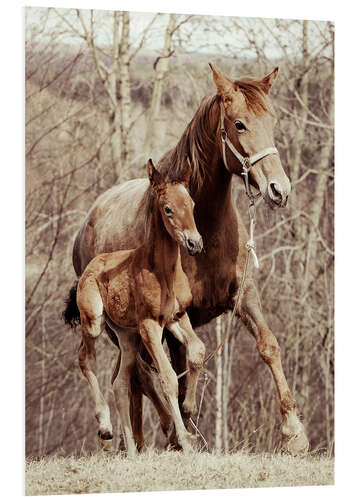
120 305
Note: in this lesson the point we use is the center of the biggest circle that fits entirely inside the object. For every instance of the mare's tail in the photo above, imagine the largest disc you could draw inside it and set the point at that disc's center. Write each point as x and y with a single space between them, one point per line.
71 314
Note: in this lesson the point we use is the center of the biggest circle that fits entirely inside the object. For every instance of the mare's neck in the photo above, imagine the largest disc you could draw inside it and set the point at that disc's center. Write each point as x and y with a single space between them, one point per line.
162 249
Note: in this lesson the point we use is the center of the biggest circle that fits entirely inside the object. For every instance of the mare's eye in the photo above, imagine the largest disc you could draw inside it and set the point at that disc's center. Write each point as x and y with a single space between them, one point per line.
240 126
167 210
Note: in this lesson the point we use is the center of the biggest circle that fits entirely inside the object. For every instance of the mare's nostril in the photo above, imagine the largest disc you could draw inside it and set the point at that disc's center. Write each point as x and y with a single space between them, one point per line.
276 193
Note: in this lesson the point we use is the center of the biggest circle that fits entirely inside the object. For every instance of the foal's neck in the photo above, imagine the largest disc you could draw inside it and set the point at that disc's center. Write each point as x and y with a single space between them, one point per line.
163 250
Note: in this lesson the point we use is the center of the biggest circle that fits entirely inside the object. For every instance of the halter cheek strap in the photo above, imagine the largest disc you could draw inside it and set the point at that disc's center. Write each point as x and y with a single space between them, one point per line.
246 161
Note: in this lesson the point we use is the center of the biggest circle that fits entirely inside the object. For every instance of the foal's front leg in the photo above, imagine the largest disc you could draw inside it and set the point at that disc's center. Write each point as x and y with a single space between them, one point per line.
293 431
128 341
151 334
195 353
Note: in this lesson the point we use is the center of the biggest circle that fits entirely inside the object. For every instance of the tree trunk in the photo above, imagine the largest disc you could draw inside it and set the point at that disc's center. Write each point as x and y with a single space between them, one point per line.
225 383
219 368
114 117
124 96
161 71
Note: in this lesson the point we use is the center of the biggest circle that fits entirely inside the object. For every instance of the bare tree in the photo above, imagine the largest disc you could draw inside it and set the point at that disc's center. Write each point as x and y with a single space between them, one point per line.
161 67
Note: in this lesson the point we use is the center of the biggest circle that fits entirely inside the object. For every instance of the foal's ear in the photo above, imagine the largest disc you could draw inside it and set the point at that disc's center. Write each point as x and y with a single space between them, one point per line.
224 85
153 174
267 81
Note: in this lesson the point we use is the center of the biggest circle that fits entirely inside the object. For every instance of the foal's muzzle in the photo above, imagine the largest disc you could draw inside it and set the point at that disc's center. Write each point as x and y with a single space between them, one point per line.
193 243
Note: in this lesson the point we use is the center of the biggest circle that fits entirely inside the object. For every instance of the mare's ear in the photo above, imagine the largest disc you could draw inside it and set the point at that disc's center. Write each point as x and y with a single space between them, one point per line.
153 174
224 85
267 81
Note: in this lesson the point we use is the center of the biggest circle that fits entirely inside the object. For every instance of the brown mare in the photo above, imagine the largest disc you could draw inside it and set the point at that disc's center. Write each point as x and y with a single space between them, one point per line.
242 111
144 290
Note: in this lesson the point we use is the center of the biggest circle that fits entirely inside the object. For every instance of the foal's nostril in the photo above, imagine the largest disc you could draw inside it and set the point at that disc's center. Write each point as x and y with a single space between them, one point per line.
190 244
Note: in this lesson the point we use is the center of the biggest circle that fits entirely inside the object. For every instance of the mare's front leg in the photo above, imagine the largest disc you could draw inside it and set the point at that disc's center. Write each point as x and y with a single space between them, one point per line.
91 329
294 439
151 334
195 353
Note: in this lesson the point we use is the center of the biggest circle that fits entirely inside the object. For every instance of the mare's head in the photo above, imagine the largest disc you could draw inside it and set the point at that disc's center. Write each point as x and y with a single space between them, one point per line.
249 120
176 209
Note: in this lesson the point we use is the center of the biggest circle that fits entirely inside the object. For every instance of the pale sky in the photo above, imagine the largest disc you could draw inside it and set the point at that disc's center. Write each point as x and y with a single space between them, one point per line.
225 35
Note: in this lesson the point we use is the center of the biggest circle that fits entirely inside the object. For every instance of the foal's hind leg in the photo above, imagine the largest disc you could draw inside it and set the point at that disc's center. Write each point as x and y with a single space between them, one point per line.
293 432
91 329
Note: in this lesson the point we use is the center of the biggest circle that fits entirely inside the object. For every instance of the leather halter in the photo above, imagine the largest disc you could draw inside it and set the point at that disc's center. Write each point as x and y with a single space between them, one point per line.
247 161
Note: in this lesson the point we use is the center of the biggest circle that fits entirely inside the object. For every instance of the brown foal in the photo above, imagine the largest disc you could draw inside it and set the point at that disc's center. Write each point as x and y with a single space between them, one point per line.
144 290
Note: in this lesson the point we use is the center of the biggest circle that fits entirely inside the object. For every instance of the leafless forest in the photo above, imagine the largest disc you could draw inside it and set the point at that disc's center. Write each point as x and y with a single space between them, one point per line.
104 92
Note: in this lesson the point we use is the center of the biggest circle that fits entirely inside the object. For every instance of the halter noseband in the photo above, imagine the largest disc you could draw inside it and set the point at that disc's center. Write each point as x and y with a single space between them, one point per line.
246 161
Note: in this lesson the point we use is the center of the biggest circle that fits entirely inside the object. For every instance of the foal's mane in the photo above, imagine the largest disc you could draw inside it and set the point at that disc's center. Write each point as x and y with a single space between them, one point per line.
193 149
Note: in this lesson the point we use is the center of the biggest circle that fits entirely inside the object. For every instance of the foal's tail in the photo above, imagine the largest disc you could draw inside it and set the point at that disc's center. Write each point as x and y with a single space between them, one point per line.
71 314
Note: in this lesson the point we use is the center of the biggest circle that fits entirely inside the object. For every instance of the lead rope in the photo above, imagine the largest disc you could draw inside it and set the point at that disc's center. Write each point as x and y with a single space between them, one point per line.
250 246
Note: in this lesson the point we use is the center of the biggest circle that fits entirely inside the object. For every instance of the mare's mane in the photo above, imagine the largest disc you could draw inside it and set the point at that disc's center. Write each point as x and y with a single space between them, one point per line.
193 149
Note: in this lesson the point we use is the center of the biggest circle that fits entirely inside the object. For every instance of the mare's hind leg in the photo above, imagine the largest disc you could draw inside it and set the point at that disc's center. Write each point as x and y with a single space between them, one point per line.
136 414
293 432
92 323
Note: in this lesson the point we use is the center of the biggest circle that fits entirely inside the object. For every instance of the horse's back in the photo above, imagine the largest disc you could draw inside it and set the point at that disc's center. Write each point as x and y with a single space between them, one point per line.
114 222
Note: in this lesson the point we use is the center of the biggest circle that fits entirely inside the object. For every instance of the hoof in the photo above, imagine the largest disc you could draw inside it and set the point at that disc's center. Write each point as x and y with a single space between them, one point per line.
190 443
105 440
189 409
106 436
295 445
140 446
132 453
294 441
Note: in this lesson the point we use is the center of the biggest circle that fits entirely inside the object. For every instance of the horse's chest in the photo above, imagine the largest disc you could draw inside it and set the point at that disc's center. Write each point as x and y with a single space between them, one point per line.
162 299
213 283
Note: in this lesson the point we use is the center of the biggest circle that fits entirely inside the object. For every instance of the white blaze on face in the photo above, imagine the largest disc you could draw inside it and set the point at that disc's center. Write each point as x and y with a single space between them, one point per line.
181 219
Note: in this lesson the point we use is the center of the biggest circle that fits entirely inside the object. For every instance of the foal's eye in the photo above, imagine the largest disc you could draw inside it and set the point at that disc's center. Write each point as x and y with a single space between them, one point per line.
167 210
240 126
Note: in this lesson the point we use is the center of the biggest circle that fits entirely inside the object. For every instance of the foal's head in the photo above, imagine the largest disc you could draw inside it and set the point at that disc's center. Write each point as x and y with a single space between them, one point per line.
249 119
176 209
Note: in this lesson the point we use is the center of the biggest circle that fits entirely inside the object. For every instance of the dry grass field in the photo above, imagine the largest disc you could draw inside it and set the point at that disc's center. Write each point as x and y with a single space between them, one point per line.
152 471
